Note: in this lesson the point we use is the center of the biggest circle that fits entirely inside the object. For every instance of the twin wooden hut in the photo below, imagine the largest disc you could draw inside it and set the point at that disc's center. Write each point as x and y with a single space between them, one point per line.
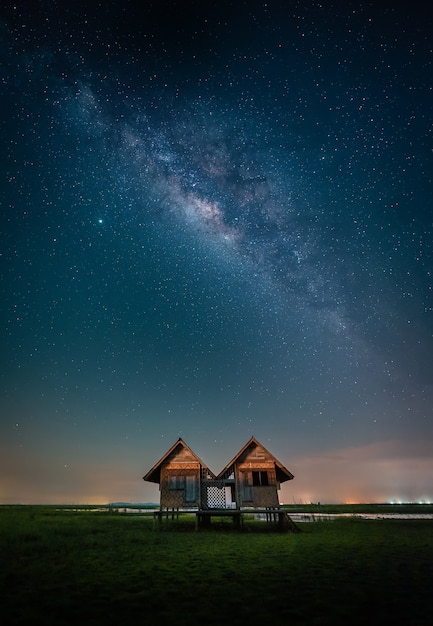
250 481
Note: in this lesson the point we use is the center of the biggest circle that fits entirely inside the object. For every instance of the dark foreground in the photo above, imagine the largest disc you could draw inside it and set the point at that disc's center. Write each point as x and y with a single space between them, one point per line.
66 567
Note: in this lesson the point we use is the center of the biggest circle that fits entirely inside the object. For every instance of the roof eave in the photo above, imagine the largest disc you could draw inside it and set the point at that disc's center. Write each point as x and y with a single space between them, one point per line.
154 474
283 471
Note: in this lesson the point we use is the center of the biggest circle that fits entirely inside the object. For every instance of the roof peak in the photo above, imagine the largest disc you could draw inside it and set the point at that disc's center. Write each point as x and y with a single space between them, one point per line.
153 474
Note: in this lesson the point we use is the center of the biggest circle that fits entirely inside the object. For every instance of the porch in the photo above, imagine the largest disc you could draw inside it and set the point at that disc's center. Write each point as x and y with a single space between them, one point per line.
276 518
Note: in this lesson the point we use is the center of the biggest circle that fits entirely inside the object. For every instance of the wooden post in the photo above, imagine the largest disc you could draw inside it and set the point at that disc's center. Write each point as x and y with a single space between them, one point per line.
237 520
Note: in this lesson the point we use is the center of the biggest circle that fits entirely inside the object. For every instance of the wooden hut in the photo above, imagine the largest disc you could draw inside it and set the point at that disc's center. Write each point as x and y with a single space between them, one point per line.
179 474
251 480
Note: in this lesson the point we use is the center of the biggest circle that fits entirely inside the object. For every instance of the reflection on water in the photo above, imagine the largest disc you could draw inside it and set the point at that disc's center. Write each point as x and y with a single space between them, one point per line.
318 517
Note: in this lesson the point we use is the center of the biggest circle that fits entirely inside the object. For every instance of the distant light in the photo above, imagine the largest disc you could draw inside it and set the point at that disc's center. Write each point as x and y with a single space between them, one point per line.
100 221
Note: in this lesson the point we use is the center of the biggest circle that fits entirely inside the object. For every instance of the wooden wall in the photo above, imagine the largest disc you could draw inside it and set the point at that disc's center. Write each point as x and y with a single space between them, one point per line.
256 482
180 480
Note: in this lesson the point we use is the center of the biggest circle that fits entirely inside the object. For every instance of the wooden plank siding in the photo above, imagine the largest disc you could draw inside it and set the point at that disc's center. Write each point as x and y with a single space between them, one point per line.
251 494
180 484
178 474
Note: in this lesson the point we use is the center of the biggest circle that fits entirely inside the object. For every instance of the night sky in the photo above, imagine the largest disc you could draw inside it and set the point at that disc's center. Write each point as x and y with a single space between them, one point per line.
216 222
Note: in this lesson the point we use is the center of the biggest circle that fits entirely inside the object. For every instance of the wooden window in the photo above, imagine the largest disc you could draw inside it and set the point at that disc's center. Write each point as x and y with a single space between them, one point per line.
247 488
191 489
260 479
248 493
176 482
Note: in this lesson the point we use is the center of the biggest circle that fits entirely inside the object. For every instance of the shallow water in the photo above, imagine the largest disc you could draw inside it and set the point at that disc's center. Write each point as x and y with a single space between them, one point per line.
316 517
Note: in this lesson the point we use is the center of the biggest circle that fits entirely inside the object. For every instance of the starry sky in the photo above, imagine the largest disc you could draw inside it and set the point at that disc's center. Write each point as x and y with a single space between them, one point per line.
216 222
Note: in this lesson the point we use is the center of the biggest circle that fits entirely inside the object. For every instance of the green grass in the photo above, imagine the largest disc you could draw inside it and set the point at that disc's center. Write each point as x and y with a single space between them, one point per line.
64 567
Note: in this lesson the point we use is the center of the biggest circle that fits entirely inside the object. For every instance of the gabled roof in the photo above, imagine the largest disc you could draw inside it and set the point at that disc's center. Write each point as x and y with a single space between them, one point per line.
154 474
282 472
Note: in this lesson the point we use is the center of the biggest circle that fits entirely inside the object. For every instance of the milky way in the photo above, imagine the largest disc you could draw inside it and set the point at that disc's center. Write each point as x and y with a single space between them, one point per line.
216 179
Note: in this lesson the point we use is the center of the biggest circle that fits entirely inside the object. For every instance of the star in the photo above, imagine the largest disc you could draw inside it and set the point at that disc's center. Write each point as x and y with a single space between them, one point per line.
260 249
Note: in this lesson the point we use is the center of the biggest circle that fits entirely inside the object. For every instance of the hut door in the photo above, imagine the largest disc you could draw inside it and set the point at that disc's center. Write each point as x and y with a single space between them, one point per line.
247 487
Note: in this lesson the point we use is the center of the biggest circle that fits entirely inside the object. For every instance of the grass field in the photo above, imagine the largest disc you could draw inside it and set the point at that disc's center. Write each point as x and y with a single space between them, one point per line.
65 567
